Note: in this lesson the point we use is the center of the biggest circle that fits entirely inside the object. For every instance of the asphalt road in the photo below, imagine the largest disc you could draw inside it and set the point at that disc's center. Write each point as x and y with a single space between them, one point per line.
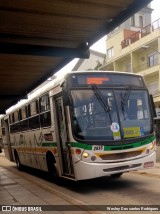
131 189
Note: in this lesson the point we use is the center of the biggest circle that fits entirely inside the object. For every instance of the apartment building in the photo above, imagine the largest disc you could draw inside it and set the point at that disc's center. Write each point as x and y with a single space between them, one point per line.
137 51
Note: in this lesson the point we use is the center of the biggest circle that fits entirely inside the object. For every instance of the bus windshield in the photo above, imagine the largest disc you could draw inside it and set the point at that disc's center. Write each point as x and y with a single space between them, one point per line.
101 114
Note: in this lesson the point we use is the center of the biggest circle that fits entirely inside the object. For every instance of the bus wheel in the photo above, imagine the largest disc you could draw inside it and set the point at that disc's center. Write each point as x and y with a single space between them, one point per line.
18 163
51 166
117 175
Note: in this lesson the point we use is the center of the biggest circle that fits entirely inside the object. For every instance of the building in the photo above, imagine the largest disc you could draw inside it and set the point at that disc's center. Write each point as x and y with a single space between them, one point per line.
134 23
138 53
95 60
137 50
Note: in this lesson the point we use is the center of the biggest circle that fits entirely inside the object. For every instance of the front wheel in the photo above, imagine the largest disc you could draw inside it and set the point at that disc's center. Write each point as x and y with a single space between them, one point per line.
51 167
18 163
117 175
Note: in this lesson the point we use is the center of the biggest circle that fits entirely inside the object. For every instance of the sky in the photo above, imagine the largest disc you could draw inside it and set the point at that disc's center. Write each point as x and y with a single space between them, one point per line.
100 46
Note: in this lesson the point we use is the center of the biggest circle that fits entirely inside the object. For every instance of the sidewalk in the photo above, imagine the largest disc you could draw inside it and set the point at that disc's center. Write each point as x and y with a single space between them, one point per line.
153 171
19 191
150 172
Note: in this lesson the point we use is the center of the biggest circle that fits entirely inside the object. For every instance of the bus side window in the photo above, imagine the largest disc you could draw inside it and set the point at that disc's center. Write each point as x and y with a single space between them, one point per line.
11 119
23 118
34 122
3 128
45 115
14 122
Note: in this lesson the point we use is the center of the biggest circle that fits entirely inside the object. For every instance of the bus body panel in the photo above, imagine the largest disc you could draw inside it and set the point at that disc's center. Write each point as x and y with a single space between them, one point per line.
85 170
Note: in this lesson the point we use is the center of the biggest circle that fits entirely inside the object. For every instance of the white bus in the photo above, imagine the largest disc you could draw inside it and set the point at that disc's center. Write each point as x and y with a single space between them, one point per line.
86 125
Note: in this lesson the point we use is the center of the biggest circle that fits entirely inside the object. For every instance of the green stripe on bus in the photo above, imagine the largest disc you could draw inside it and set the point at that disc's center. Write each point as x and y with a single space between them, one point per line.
81 145
106 148
117 147
131 145
47 144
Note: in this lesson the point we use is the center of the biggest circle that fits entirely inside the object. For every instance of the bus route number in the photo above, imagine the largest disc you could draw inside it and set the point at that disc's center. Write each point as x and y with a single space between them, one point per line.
98 148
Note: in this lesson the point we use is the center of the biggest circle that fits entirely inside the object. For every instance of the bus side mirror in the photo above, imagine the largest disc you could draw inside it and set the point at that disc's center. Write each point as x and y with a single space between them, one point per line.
152 106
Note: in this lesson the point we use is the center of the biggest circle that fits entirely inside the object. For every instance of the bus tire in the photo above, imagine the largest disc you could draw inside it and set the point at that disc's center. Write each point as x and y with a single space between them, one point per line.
18 163
51 166
117 175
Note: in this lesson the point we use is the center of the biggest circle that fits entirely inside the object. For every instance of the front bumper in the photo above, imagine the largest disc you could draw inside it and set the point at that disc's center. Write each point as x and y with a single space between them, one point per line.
86 170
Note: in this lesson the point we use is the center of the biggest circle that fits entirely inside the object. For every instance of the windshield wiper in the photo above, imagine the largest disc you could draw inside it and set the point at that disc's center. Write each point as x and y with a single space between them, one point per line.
125 98
101 99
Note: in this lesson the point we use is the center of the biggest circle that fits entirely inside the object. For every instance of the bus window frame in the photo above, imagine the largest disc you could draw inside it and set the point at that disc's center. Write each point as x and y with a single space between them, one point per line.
42 112
14 123
36 115
24 119
3 127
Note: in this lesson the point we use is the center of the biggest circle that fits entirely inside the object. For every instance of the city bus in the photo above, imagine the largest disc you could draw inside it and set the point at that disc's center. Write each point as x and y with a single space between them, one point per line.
84 125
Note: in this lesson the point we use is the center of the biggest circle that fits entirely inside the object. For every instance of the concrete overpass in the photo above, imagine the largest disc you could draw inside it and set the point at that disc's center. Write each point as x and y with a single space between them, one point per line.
37 38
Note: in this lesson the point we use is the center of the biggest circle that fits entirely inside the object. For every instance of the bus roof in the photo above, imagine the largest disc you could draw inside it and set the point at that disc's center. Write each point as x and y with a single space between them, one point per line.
57 81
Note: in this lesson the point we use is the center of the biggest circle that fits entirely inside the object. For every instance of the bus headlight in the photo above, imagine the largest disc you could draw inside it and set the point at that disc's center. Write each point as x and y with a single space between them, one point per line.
151 146
93 158
85 155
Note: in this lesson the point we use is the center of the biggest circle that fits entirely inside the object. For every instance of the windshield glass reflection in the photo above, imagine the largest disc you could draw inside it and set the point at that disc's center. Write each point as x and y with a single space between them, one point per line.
110 115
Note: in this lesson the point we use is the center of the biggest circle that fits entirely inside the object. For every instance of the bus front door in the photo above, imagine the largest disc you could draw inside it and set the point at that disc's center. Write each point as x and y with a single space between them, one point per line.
63 135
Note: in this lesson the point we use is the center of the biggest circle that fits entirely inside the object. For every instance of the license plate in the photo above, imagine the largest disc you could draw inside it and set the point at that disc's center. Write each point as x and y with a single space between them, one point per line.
148 164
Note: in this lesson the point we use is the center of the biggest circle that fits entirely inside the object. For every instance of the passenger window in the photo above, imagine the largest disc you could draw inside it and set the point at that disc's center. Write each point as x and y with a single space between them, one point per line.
45 119
24 119
16 118
3 128
45 116
34 122
44 103
33 108
11 118
24 112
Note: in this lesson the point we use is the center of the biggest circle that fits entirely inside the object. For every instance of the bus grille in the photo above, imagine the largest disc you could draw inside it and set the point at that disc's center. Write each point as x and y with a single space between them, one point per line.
122 167
118 156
